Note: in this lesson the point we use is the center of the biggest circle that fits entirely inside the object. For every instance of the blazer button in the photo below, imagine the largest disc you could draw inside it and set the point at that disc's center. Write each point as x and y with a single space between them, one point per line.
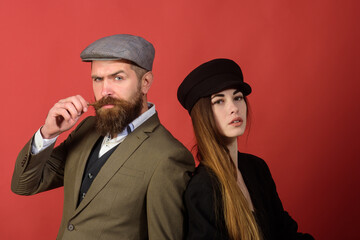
70 227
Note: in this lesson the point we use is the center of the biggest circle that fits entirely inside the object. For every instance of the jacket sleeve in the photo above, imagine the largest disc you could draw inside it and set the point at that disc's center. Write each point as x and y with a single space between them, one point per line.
284 226
164 198
204 210
35 173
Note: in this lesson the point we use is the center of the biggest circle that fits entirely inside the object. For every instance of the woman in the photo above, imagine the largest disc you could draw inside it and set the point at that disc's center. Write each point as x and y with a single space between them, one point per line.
231 195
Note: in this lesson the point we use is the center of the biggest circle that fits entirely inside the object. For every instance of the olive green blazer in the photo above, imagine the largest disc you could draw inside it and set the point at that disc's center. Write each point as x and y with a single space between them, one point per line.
138 193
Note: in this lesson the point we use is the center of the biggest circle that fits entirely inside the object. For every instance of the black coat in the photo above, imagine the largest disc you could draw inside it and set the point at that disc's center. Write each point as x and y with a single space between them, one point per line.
204 206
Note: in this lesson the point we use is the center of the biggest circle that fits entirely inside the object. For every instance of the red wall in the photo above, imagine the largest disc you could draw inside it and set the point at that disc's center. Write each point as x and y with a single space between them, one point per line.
300 57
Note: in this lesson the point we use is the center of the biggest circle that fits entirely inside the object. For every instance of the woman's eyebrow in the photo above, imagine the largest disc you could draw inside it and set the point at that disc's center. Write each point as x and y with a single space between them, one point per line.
236 91
217 95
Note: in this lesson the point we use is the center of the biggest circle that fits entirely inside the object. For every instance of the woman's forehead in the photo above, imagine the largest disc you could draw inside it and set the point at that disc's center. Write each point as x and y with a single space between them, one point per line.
230 91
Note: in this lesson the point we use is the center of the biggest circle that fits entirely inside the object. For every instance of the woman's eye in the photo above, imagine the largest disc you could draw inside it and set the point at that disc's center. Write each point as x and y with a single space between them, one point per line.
218 101
239 98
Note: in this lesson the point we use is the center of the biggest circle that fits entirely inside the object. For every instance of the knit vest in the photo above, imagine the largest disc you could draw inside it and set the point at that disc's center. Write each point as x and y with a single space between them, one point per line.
93 167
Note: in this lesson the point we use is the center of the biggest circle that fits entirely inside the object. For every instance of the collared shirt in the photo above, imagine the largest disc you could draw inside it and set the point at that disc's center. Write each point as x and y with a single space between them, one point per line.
108 142
39 143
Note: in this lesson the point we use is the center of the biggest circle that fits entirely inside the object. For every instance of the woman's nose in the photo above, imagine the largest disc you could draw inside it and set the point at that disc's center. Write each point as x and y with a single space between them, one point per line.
233 108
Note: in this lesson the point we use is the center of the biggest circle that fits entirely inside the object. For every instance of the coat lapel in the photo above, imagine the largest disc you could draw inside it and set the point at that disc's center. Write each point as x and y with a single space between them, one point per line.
116 160
83 157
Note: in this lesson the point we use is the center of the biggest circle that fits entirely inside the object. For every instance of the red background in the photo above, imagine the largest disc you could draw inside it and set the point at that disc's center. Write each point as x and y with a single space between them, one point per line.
300 57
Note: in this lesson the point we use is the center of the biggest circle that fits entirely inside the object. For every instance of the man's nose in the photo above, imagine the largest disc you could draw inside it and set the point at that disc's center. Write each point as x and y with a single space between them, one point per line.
106 88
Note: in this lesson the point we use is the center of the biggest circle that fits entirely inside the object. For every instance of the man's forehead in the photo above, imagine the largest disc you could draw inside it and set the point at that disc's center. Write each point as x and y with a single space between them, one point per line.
110 67
108 62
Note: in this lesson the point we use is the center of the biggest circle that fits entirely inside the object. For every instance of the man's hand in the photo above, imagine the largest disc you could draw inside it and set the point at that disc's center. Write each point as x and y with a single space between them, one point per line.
63 116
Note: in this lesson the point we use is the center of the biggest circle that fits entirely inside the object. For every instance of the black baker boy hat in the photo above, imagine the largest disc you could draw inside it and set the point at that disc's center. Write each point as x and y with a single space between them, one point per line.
211 77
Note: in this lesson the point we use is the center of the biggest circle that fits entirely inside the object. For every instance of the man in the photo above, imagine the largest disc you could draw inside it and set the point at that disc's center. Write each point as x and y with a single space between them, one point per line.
123 173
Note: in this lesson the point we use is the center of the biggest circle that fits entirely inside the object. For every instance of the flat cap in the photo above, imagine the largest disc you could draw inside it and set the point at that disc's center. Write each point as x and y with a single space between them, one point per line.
121 46
211 77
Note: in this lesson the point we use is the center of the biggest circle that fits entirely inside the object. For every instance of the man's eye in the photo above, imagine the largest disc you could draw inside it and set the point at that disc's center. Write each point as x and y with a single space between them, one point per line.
97 79
118 78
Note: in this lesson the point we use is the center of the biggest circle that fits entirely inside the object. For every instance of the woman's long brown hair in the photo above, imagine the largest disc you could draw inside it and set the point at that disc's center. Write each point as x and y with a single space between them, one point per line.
214 154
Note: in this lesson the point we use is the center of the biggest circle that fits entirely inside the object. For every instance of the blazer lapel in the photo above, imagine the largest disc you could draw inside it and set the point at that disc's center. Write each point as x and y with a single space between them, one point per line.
83 157
117 160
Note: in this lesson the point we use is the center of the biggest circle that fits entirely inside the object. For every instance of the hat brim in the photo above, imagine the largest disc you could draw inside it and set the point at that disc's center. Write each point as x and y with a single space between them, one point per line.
214 85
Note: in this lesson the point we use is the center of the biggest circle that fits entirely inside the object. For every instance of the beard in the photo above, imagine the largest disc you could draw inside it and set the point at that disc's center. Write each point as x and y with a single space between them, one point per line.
114 120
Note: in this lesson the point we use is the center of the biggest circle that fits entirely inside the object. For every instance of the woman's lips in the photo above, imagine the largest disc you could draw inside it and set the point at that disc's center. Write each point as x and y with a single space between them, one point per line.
236 122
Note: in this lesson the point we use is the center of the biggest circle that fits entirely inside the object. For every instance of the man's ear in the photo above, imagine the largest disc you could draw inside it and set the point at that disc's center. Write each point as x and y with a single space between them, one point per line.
146 82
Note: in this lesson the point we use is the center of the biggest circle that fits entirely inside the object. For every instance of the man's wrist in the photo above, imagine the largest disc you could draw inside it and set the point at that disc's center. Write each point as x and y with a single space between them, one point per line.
40 143
47 136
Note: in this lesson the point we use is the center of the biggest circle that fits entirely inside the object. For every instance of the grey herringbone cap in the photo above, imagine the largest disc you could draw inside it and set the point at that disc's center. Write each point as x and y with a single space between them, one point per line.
121 46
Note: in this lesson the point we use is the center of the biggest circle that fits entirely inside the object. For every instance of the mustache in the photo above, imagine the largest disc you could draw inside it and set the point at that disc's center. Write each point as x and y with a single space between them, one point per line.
106 101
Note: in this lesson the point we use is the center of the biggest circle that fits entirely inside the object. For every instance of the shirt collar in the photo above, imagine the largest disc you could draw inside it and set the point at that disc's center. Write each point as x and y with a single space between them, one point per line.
143 117
134 124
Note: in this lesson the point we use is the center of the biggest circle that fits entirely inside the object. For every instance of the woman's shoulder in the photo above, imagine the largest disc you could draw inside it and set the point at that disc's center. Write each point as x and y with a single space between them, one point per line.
253 167
203 181
204 206
249 160
203 192
202 176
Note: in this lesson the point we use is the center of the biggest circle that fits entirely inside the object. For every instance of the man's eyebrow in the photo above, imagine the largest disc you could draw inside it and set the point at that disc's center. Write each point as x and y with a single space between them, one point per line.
116 73
217 95
95 76
112 74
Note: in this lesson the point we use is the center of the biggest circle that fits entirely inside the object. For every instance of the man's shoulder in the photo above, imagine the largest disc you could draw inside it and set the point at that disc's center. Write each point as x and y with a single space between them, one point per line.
162 133
162 143
84 128
87 122
159 132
